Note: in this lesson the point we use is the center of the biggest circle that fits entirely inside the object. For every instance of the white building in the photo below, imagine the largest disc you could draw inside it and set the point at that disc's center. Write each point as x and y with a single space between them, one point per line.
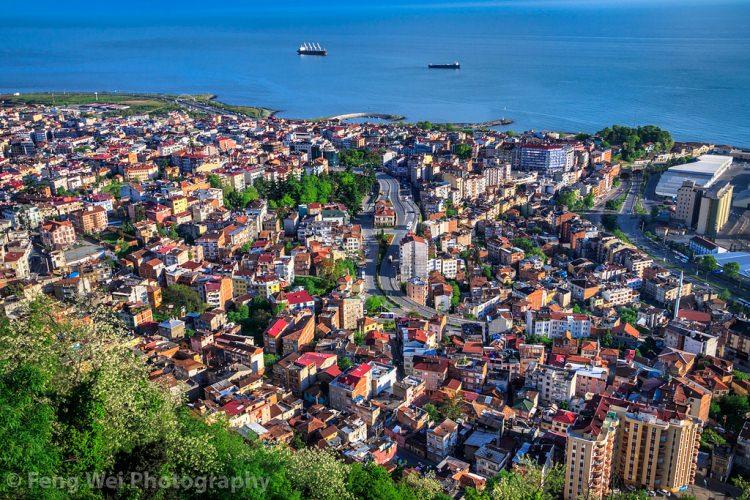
703 172
413 255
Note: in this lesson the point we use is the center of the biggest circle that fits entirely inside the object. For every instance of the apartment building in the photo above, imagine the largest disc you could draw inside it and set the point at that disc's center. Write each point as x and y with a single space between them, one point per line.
92 219
554 384
657 449
441 440
632 445
351 310
546 158
351 387
588 458
554 324
413 257
416 290
57 235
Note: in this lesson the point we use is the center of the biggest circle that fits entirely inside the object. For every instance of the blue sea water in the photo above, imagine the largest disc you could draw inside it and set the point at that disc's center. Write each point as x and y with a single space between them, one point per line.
547 64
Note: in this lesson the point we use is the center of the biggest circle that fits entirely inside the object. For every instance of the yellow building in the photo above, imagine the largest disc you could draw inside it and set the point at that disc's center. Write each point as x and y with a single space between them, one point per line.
178 204
657 451
630 444
714 209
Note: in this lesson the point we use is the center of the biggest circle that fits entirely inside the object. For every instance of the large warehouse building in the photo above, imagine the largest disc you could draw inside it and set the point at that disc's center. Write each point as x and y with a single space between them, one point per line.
703 172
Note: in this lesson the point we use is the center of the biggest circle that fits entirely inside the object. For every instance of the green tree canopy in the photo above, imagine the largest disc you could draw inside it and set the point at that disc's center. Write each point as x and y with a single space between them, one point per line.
182 296
731 269
463 151
77 402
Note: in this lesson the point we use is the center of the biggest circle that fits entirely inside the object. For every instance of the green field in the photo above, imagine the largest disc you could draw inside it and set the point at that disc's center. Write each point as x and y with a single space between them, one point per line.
153 104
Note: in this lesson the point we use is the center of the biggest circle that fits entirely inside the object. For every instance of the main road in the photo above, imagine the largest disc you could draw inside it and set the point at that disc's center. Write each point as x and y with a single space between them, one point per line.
407 218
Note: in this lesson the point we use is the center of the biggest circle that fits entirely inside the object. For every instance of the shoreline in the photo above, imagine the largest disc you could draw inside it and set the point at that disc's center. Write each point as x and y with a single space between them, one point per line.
210 102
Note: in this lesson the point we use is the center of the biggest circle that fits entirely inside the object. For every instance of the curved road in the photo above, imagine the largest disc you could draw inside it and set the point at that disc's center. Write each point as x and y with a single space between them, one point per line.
407 218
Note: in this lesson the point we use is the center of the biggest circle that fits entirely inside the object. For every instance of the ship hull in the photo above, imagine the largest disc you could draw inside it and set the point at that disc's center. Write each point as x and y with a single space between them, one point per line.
312 52
444 66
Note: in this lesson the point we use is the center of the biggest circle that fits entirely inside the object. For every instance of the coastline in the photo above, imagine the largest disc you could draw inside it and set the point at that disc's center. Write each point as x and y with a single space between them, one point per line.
162 103
139 102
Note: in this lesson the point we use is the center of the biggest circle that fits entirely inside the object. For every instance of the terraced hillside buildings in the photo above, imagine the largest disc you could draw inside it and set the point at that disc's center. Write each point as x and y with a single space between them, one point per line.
450 298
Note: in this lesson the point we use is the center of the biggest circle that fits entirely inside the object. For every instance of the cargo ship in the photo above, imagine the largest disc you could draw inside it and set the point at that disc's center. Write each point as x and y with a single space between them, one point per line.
453 65
311 49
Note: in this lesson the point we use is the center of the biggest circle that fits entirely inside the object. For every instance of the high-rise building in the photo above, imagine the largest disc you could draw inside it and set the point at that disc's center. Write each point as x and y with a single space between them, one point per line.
657 449
688 203
588 458
707 210
413 257
654 449
716 203
546 158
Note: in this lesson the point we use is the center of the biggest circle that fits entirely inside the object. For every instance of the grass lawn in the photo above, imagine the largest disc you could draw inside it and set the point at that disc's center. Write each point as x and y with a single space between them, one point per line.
154 104
136 103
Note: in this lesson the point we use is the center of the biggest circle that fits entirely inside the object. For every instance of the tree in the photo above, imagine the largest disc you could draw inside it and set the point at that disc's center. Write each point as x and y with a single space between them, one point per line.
629 495
632 140
649 349
375 303
28 423
628 315
424 486
708 263
452 408
432 412
182 297
215 181
463 151
711 438
609 221
344 363
487 271
359 338
78 404
731 269
570 198
450 210
317 474
538 339
370 482
744 485
455 294
730 410
526 481
589 200
269 360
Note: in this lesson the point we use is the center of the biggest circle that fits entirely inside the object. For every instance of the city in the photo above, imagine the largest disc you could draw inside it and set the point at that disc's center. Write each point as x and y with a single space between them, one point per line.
348 308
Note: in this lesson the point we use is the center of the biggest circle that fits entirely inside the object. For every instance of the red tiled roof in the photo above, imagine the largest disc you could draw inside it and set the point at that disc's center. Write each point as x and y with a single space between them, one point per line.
691 315
301 297
316 358
278 327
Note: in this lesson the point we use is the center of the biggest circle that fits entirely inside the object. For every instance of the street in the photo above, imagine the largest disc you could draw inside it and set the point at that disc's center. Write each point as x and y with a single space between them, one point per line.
407 218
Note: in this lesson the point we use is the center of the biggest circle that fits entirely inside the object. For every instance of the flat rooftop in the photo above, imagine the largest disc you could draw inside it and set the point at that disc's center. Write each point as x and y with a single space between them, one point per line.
703 172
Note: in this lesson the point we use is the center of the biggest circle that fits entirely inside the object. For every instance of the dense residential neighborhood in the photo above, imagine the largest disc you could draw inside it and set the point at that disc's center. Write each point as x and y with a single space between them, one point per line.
460 303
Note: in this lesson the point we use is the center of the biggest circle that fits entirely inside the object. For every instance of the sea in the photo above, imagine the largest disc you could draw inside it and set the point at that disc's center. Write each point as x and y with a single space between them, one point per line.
576 65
